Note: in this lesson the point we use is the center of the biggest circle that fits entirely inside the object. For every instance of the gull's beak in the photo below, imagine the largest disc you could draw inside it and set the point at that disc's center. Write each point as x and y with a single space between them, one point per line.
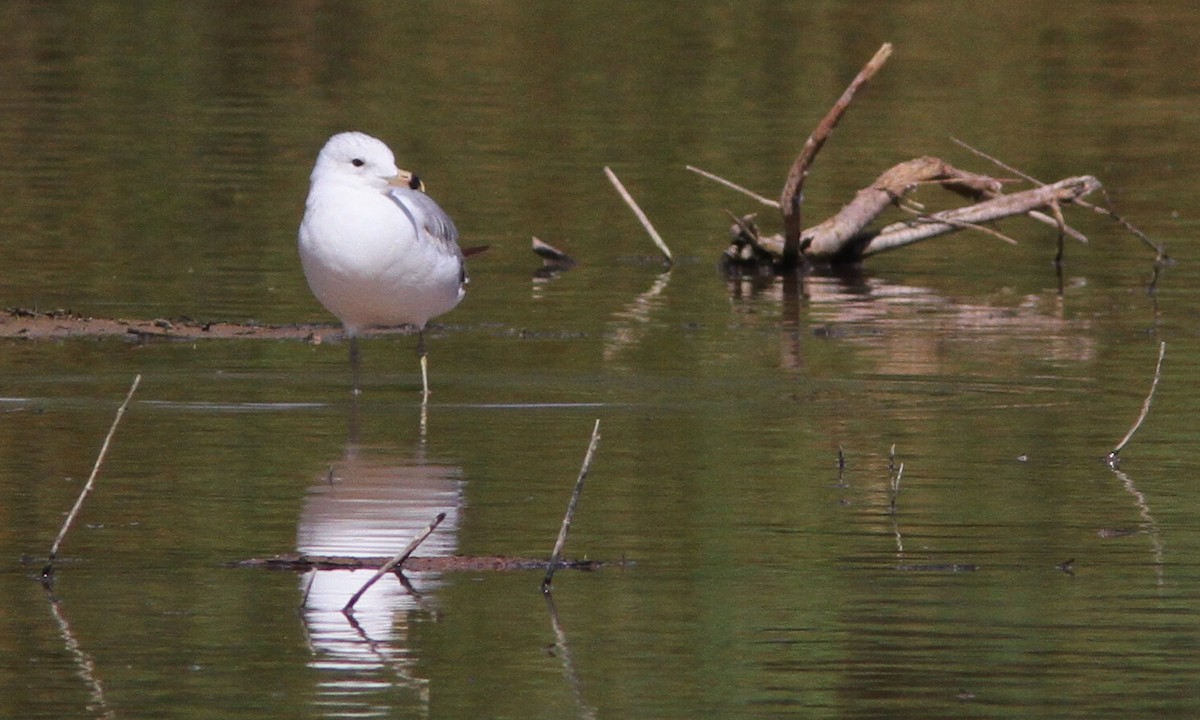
408 180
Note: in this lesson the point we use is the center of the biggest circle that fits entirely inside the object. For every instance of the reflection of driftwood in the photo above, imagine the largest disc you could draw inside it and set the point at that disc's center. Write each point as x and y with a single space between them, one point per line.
846 239
303 562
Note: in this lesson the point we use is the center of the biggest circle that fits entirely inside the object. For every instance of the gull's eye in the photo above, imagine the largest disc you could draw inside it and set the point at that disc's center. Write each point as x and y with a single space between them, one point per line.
358 162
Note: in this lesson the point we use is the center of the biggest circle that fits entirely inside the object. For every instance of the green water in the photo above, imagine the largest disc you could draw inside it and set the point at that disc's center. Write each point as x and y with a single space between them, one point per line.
155 158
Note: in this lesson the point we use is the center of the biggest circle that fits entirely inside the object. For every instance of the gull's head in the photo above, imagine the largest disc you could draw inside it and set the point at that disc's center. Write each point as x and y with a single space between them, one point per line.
358 159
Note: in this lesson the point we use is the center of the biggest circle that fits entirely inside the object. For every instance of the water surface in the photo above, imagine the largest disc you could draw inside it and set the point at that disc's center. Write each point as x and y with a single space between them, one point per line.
155 160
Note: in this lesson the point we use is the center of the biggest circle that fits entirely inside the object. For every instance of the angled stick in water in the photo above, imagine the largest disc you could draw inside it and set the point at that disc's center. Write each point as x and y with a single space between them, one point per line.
641 216
1113 457
394 562
48 571
566 523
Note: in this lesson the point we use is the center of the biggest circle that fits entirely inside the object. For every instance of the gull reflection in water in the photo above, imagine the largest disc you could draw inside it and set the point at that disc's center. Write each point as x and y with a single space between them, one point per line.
371 504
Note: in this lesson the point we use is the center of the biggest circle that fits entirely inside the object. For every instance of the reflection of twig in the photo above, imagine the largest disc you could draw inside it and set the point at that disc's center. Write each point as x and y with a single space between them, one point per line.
564 654
895 488
86 667
312 576
566 523
48 571
841 481
1148 522
638 310
1113 457
406 678
895 473
641 216
394 562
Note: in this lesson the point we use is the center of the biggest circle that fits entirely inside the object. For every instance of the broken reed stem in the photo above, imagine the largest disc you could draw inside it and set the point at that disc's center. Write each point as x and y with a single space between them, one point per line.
1113 456
394 562
793 188
996 161
48 570
641 216
566 523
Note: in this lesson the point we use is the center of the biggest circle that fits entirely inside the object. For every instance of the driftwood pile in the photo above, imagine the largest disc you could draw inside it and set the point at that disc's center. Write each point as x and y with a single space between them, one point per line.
846 237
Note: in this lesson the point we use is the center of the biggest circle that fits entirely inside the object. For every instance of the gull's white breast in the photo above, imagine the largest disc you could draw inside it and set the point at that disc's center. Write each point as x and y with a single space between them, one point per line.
379 259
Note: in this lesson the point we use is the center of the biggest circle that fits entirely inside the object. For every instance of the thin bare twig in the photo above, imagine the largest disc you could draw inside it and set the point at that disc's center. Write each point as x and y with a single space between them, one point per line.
923 217
999 163
48 570
556 555
1113 457
1158 249
1035 214
732 185
1160 254
641 216
394 562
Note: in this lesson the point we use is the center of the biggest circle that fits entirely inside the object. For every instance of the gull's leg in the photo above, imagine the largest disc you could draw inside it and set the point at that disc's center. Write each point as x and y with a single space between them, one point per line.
354 365
424 363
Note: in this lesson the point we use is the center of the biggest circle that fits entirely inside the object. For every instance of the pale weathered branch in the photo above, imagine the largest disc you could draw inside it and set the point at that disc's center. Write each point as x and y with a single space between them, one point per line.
900 234
793 190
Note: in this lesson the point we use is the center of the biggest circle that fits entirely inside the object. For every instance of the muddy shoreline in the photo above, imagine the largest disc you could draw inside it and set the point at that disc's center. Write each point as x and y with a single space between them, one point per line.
26 324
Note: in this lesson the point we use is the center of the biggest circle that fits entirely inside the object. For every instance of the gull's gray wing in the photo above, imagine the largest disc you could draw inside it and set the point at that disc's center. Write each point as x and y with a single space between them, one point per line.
427 217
